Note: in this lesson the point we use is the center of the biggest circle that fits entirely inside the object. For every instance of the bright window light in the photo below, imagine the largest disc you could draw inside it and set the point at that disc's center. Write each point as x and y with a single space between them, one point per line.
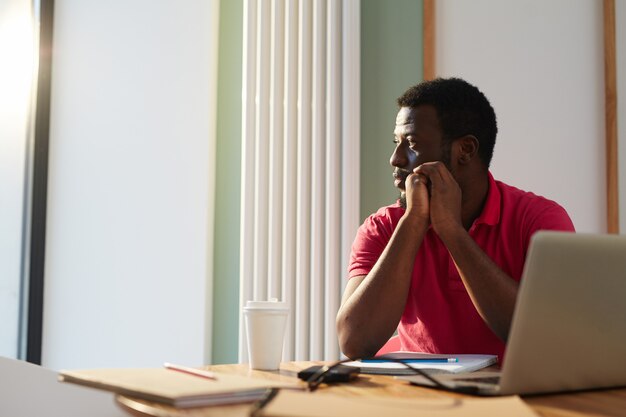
17 67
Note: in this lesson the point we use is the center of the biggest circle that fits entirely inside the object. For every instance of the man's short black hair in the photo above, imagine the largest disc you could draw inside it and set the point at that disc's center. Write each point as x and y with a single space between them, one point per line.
462 110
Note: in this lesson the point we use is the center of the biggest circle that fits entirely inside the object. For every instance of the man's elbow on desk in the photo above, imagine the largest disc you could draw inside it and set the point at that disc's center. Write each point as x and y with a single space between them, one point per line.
350 344
355 350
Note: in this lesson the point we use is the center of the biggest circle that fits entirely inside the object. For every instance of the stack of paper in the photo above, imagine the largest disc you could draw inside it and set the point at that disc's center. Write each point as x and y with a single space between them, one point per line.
175 388
434 363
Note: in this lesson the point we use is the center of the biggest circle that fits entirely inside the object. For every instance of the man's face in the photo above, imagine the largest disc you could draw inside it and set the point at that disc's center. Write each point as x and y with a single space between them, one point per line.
418 139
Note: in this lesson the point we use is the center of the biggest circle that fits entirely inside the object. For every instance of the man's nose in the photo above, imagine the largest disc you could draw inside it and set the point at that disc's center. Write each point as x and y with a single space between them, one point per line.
399 157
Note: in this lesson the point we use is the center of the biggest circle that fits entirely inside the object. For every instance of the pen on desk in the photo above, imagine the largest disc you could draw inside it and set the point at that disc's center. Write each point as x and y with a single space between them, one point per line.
191 371
413 360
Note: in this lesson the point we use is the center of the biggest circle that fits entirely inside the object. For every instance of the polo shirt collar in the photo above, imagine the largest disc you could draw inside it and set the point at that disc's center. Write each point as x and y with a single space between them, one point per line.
491 211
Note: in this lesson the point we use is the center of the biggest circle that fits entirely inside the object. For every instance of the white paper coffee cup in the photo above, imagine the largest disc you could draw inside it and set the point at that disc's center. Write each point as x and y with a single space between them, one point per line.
265 329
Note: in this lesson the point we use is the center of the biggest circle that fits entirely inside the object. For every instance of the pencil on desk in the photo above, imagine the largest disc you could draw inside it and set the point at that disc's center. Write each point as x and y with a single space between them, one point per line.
191 371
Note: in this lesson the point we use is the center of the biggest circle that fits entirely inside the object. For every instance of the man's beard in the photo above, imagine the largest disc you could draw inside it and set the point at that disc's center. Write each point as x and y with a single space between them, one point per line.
402 199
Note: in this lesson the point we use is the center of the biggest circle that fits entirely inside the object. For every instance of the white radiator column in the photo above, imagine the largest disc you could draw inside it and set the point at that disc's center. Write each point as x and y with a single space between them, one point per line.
300 135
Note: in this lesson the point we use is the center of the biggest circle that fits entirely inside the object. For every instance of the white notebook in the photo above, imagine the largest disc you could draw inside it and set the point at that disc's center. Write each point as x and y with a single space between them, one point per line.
176 388
425 361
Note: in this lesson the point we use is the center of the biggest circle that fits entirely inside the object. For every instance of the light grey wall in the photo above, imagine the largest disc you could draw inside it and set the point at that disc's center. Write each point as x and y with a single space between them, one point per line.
128 250
541 65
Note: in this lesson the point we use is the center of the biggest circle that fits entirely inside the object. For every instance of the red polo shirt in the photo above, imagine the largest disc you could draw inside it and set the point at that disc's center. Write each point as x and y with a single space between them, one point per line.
439 316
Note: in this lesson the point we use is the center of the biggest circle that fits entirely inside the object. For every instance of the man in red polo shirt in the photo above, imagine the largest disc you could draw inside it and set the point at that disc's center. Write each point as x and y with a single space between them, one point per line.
443 264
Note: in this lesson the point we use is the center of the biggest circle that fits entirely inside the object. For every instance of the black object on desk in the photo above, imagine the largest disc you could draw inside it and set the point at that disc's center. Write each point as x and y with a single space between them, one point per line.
338 373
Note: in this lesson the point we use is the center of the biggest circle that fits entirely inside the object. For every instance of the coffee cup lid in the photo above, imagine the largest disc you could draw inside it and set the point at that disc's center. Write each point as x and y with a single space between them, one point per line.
272 304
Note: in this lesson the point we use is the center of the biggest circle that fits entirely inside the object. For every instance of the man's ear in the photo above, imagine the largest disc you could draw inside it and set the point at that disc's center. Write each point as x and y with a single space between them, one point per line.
467 149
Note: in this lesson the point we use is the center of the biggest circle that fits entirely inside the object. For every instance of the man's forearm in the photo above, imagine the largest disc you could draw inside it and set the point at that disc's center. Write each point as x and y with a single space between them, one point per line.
492 291
370 313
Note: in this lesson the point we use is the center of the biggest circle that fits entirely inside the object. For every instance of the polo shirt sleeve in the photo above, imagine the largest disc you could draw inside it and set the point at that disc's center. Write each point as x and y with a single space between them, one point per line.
554 217
550 216
370 242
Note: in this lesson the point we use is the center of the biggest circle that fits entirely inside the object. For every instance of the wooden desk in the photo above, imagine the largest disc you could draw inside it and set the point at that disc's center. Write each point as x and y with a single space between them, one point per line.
586 404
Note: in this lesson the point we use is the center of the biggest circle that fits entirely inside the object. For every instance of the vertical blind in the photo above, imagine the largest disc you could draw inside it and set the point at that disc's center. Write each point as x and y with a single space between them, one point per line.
300 167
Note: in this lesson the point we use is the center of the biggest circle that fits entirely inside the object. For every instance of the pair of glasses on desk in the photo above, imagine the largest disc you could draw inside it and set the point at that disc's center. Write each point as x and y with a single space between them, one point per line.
320 376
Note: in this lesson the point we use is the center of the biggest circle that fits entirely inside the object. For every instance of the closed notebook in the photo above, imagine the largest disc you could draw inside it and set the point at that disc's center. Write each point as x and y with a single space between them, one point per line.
175 388
424 361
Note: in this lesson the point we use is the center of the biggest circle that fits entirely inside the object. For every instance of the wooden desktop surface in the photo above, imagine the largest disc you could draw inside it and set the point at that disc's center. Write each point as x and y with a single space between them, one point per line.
583 404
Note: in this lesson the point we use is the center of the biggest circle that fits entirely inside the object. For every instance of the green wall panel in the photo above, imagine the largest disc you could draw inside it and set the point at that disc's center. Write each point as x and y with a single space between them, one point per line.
228 185
391 62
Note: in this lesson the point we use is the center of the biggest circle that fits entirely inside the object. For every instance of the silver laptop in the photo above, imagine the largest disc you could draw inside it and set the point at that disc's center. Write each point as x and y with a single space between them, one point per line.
569 326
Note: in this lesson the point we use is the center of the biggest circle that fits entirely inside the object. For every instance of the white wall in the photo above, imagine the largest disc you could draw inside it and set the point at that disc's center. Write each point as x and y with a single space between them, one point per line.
130 198
540 63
